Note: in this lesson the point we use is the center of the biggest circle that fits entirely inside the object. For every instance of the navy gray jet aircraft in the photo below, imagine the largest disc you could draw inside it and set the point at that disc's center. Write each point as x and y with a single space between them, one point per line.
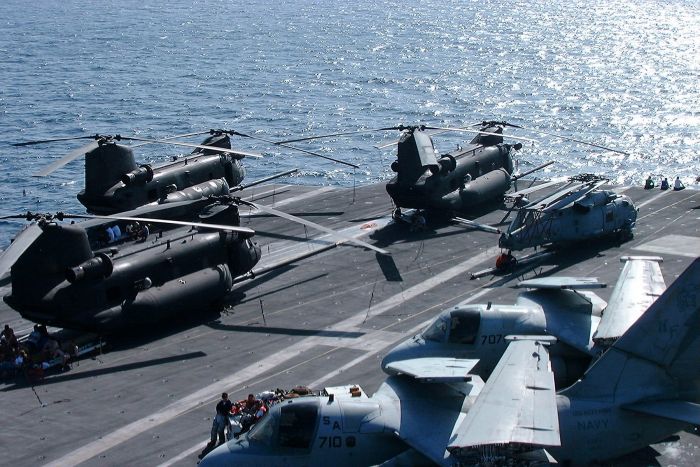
643 389
472 338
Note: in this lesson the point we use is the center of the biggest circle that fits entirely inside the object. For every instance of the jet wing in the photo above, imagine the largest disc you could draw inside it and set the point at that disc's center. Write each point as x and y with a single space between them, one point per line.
517 404
639 285
438 369
572 283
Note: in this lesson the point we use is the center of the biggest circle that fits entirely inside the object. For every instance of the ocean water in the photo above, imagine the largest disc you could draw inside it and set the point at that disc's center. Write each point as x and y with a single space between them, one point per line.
617 73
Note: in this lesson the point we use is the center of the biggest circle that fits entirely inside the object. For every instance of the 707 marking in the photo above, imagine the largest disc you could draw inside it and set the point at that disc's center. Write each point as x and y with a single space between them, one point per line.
491 339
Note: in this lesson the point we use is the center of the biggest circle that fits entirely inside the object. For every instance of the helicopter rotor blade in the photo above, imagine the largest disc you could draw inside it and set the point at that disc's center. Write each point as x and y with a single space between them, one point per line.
41 141
235 152
71 156
20 244
525 174
567 138
430 133
228 228
284 145
313 225
184 135
243 186
344 133
468 130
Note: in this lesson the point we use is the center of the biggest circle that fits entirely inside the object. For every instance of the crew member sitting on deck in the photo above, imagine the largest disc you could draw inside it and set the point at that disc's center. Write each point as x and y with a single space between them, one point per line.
678 185
664 184
649 184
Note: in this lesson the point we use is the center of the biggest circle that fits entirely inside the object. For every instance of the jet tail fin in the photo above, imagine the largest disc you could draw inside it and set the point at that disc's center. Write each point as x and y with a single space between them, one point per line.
662 347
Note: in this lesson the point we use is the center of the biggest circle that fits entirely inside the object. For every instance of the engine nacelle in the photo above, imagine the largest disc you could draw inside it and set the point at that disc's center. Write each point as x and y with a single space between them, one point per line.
140 176
98 267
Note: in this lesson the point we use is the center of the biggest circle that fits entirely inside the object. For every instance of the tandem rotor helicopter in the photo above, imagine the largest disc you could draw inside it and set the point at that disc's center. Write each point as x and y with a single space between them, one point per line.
114 182
108 273
472 177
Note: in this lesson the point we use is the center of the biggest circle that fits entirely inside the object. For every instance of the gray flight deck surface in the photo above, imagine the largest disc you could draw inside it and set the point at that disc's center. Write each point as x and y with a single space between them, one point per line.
325 320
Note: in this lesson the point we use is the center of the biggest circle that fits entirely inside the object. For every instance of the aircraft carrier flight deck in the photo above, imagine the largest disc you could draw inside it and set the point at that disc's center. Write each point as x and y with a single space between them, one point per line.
325 320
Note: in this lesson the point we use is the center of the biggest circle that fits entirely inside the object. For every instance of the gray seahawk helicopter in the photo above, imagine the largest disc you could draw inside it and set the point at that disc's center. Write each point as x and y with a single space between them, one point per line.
578 211
108 273
643 389
472 338
114 182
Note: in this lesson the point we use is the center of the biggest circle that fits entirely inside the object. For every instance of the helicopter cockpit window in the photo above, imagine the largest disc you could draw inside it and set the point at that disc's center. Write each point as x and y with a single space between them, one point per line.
464 326
297 425
437 331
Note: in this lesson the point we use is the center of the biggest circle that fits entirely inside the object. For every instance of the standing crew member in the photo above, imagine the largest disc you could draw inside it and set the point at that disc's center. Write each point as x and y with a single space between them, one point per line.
223 409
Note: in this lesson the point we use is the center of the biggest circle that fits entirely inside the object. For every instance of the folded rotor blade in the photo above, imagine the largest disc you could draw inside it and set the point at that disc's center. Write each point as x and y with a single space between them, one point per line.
229 228
69 138
184 135
313 225
331 135
296 149
81 151
235 152
567 138
20 244
467 130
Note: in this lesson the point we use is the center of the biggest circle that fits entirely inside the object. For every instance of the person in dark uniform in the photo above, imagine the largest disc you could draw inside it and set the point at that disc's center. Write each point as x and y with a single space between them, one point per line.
223 410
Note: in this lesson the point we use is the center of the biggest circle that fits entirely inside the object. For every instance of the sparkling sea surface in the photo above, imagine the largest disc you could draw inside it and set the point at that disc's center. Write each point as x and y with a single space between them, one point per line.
622 74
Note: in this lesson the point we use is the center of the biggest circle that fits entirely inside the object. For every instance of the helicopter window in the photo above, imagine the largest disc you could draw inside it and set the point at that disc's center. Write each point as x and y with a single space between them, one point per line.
436 332
152 195
464 326
297 425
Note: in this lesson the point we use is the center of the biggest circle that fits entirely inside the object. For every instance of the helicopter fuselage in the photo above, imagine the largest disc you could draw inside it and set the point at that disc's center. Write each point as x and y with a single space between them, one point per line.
598 213
147 184
457 181
75 276
115 183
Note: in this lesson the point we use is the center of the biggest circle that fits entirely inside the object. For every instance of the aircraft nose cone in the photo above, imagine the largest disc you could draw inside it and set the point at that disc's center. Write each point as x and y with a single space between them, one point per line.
219 457
404 351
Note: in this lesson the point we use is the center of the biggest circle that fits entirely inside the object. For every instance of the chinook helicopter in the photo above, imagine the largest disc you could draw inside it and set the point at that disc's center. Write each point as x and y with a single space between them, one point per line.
111 272
114 182
472 178
578 211
458 181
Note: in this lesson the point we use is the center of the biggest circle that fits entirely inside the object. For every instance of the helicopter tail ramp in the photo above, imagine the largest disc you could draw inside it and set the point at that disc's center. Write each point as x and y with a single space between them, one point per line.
655 355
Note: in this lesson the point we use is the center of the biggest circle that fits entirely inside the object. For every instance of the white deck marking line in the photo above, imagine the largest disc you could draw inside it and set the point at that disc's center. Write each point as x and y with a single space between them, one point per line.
204 395
668 206
652 199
